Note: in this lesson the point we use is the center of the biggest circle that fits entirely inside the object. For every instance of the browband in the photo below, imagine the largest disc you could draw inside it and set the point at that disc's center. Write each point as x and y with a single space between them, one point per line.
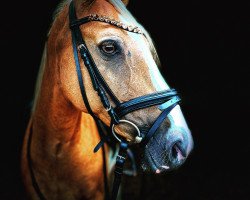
95 17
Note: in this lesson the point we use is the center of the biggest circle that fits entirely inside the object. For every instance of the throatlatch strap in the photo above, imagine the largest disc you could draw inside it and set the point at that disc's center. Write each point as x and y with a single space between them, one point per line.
32 174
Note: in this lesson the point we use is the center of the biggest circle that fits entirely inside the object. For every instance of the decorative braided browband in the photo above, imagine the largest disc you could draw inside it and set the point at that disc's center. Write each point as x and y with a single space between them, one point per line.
130 28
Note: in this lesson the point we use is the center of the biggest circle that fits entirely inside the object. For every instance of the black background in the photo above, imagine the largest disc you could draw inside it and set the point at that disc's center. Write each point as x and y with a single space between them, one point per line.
204 50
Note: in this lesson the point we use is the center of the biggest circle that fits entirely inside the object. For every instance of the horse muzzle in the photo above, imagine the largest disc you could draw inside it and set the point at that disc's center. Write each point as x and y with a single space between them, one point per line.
167 151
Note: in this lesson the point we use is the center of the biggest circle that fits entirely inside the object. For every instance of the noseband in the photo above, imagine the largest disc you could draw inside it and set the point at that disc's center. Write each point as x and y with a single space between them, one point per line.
167 98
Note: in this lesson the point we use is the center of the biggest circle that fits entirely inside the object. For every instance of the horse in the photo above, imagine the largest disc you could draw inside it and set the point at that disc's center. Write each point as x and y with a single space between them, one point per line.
117 93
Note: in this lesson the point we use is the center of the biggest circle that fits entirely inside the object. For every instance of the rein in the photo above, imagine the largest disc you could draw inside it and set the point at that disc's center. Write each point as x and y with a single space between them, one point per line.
167 100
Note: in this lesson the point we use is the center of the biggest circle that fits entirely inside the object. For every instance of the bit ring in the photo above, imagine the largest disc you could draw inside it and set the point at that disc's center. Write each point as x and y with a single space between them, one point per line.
138 138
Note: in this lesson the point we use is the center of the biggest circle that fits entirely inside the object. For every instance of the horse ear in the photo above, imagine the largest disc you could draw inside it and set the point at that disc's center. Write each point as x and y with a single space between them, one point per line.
125 2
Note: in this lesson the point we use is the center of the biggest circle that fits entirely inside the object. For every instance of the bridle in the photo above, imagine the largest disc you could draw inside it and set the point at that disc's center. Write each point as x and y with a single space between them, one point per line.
168 99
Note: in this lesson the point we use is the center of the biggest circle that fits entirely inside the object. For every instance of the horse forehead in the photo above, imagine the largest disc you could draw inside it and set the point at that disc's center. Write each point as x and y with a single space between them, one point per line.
103 8
156 77
142 45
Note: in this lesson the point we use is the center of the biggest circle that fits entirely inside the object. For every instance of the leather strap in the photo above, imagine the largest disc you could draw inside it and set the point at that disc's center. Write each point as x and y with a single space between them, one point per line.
77 22
98 82
79 76
172 103
32 174
144 102
120 161
85 54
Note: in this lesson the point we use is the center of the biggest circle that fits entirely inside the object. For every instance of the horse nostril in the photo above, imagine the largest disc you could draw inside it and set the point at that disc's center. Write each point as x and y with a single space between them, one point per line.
174 152
178 151
180 146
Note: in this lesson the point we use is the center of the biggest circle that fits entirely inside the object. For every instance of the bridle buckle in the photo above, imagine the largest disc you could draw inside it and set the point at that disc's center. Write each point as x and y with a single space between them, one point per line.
79 47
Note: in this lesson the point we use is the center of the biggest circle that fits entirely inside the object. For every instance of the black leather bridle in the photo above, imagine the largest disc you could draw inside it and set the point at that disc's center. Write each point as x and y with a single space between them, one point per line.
167 98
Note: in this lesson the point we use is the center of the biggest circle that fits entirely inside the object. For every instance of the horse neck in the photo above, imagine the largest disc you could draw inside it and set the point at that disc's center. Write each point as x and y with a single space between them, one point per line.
55 119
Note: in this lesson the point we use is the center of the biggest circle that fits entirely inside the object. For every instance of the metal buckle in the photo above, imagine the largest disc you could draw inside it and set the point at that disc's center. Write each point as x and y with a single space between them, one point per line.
81 46
109 108
138 138
120 157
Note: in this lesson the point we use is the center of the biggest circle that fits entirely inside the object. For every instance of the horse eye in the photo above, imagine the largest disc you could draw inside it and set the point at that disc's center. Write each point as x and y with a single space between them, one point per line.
109 47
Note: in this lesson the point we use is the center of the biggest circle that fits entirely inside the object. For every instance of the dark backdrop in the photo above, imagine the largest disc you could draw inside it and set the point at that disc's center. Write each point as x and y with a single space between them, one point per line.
204 50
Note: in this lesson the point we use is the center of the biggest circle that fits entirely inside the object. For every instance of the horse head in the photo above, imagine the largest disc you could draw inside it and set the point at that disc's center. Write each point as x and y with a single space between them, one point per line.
128 63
